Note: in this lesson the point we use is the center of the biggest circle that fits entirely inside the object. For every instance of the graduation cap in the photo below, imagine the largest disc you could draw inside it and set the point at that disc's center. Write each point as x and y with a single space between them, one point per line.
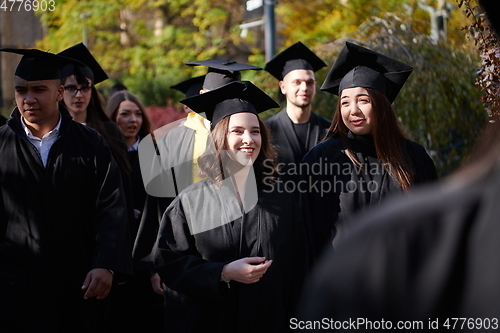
36 65
190 87
234 97
357 66
91 68
297 56
221 72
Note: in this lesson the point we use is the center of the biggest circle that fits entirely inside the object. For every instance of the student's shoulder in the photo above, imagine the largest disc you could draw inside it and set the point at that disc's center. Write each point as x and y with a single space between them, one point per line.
415 148
322 121
4 129
275 119
205 185
75 128
112 128
332 145
82 135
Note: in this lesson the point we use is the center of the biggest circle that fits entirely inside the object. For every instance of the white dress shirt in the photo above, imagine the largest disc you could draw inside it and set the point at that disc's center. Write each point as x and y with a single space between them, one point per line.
44 144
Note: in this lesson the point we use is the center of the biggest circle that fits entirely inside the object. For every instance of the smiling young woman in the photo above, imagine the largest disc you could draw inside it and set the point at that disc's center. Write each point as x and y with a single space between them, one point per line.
365 147
128 112
234 249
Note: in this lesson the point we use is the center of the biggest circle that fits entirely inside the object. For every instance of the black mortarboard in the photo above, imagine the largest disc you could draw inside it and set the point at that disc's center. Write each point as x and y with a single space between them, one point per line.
91 70
38 65
491 8
234 97
221 72
357 66
297 56
190 87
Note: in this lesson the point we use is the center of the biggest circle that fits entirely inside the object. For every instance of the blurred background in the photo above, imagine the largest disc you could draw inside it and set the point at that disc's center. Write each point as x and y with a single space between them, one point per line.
143 44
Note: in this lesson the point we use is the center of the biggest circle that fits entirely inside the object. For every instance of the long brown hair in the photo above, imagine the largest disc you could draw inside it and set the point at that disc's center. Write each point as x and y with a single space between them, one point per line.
387 136
215 156
114 104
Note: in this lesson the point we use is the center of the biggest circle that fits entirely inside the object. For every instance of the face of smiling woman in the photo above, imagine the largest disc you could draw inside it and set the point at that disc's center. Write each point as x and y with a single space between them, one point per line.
129 119
356 110
243 138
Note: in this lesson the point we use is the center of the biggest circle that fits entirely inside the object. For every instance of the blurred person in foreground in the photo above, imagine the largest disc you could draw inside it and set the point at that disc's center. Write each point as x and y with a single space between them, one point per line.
426 262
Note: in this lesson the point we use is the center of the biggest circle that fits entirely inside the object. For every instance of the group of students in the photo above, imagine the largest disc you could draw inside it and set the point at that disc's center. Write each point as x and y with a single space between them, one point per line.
213 205
77 203
421 263
201 230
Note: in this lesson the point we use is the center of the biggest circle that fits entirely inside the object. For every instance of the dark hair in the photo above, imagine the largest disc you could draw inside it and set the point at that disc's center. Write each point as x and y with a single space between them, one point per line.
114 104
212 160
97 119
387 135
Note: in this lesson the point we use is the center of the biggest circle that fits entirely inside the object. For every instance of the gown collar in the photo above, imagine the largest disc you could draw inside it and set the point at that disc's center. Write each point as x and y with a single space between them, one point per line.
363 143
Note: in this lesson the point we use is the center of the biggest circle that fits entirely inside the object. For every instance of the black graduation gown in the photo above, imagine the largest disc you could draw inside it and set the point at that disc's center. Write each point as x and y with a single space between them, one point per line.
432 256
334 188
137 189
201 232
114 133
135 306
56 224
290 151
175 157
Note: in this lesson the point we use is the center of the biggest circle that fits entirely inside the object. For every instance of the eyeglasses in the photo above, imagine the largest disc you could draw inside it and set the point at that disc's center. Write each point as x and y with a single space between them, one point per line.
74 90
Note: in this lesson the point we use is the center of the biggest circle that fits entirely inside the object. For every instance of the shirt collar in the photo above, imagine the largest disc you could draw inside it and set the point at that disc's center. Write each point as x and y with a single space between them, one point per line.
54 131
135 146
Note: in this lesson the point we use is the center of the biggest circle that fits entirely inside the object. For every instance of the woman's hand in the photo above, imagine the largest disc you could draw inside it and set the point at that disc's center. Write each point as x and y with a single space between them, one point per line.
97 283
156 283
246 270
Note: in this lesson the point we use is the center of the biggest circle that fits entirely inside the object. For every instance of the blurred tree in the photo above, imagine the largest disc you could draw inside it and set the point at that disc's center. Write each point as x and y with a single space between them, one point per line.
316 22
487 45
144 43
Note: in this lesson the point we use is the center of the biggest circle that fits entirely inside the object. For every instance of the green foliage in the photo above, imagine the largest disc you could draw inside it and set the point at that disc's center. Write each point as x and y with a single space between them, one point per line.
439 105
144 44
